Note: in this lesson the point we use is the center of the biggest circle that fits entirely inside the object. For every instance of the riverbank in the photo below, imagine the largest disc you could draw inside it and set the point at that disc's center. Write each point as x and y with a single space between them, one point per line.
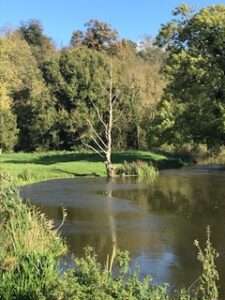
28 168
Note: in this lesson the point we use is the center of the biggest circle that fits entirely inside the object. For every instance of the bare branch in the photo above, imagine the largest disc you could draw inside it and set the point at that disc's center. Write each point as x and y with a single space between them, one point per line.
115 97
99 116
95 132
97 144
101 146
93 149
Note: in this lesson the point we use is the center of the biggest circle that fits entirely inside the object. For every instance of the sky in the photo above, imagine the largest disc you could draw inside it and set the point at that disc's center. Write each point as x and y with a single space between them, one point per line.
133 19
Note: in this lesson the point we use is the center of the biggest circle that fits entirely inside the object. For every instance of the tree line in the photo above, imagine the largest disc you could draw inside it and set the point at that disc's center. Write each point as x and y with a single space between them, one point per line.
47 94
169 90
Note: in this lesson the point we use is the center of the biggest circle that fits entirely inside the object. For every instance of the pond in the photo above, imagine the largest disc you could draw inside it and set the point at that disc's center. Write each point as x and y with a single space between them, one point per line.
156 224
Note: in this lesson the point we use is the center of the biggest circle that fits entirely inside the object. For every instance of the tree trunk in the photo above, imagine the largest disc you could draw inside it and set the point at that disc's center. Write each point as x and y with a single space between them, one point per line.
103 146
108 164
109 167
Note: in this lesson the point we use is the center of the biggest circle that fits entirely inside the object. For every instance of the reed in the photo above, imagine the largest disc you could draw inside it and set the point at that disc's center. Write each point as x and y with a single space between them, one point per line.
143 170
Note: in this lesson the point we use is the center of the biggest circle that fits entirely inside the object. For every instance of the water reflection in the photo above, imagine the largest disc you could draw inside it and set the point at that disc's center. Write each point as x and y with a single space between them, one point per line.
157 224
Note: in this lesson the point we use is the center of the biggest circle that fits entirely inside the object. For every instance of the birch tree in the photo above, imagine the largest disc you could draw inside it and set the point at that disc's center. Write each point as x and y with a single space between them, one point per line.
102 143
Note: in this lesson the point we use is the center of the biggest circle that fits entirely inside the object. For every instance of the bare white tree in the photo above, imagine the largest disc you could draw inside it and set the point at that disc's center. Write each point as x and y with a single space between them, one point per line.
102 145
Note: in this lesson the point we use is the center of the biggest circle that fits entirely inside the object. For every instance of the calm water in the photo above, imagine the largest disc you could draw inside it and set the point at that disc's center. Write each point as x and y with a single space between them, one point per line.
156 224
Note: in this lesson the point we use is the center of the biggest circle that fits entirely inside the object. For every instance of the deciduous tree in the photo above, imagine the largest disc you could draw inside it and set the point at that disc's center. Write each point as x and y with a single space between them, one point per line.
98 35
8 125
195 70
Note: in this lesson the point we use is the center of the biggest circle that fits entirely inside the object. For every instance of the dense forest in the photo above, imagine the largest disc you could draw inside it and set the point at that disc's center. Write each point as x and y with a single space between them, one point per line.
168 90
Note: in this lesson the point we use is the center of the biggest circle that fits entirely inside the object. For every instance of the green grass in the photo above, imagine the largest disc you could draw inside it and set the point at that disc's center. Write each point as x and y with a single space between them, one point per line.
33 167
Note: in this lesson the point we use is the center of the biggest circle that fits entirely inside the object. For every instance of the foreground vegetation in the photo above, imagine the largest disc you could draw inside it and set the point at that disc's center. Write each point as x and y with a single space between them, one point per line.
29 264
32 167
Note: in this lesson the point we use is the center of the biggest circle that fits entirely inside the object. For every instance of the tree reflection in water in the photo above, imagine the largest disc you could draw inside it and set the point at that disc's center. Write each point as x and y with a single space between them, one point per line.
157 224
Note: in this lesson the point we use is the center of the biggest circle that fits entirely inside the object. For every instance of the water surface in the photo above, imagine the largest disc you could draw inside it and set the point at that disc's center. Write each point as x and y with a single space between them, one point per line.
157 224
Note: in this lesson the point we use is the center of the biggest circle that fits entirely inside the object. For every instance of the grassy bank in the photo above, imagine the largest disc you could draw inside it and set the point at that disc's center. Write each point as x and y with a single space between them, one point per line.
34 167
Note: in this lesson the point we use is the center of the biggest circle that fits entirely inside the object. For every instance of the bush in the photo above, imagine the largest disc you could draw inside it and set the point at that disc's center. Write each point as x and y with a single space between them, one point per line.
148 172
208 288
141 169
91 281
29 250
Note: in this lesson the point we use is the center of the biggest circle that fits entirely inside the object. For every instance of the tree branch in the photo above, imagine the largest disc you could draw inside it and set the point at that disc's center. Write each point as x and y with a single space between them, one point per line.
97 144
99 116
97 135
93 149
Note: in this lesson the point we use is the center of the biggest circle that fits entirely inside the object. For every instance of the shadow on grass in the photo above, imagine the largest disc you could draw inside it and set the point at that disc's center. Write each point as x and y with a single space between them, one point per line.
75 174
59 158
185 157
117 158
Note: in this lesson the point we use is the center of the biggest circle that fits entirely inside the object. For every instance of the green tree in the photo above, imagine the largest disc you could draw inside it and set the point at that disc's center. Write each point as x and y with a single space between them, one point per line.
8 125
142 89
23 80
76 81
195 71
42 46
98 35
53 92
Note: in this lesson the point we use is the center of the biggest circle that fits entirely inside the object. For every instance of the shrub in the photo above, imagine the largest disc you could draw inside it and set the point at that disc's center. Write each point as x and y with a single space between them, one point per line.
147 171
127 169
208 288
29 250
141 169
91 281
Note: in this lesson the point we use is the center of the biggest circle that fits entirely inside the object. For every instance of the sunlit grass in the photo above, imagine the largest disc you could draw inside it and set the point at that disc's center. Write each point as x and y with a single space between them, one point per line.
33 167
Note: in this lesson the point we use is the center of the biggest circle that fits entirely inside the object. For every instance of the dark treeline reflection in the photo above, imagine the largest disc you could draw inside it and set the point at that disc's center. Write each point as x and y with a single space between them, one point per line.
157 224
190 194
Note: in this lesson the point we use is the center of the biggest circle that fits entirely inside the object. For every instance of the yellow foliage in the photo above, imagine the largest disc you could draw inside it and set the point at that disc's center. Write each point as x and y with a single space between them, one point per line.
5 100
18 67
146 75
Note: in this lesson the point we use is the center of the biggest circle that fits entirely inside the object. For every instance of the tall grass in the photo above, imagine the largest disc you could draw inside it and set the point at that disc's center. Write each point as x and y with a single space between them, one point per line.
143 170
29 250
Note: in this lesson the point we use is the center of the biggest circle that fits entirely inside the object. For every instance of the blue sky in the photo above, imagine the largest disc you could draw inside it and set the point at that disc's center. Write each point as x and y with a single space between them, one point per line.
132 18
